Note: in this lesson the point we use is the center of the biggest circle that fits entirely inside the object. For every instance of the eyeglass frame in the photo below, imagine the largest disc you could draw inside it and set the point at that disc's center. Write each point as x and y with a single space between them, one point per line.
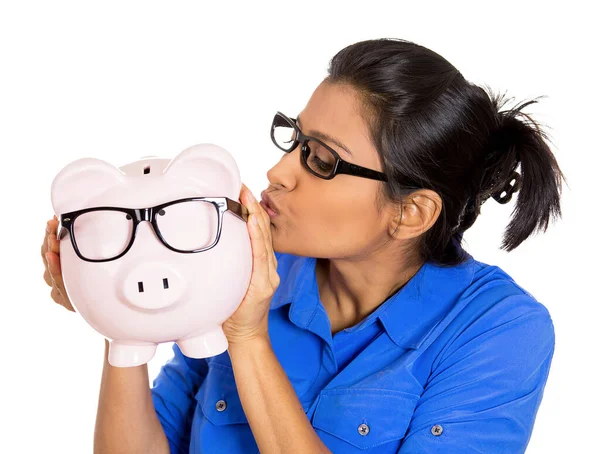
222 204
340 166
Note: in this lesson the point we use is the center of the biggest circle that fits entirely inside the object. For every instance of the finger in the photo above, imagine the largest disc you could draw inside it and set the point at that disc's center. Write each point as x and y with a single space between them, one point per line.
264 221
254 206
45 248
272 261
59 297
53 243
47 276
55 295
250 202
244 197
265 226
260 256
55 269
242 190
45 242
63 300
52 225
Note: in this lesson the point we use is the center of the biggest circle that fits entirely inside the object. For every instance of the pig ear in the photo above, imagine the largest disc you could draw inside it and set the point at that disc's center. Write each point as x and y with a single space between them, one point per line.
82 180
208 167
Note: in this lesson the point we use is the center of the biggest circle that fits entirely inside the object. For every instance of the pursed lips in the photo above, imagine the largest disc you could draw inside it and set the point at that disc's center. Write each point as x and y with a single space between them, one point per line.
268 205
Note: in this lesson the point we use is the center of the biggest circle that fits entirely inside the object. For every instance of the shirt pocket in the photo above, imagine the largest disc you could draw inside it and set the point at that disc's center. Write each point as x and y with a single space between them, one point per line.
220 423
218 397
359 420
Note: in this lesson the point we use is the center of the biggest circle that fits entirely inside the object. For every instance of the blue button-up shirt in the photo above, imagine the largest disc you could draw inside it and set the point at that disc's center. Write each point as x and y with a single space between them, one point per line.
456 361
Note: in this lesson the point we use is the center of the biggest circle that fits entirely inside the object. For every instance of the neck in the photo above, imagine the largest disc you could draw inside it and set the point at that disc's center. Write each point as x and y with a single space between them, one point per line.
352 289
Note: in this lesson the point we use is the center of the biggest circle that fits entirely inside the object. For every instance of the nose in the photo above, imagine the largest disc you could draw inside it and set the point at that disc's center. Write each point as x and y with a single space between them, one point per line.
153 286
286 172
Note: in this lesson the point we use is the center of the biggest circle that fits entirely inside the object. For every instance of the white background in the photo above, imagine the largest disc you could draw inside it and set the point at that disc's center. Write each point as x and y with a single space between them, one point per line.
122 80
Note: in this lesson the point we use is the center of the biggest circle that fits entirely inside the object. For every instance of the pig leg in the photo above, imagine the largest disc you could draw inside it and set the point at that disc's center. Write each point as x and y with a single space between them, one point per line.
129 354
211 343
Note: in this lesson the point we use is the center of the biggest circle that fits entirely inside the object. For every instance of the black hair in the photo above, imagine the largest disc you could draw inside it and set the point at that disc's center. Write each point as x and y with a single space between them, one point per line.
435 130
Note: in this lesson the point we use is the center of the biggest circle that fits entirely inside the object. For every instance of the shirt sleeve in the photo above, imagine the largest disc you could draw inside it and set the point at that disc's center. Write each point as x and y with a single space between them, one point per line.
486 386
173 394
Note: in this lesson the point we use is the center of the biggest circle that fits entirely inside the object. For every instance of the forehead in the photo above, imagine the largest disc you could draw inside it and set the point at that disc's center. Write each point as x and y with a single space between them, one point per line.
335 109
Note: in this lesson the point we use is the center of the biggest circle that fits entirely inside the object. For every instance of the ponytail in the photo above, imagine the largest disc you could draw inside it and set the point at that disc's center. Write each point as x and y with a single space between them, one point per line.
518 139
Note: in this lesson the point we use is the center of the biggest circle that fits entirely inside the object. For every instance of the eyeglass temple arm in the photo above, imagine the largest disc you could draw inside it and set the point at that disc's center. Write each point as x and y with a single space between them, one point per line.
352 169
61 230
238 209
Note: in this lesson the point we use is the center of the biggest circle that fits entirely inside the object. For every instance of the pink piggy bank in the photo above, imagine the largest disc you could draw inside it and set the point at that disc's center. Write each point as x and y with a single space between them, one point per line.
155 251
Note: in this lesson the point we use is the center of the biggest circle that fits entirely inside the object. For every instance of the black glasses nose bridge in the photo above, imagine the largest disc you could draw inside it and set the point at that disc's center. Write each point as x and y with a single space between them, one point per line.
144 214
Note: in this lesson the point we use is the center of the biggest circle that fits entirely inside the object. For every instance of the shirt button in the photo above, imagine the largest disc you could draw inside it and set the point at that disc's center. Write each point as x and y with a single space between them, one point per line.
437 430
221 405
363 429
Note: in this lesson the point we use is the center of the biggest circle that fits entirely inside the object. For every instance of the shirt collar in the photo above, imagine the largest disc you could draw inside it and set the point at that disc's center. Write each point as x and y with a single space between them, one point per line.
407 316
425 299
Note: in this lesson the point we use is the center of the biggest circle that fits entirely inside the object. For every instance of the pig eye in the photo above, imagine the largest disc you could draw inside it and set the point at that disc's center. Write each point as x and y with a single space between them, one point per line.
161 212
128 217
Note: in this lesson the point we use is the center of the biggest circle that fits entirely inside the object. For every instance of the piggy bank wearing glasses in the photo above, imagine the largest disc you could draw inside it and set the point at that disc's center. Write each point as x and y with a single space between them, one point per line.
154 251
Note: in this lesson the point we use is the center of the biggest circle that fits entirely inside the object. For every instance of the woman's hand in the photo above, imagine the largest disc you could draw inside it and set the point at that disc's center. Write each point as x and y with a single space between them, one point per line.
51 258
250 320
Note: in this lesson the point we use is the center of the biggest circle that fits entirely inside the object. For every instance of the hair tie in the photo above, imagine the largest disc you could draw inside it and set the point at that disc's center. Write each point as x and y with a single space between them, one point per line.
510 187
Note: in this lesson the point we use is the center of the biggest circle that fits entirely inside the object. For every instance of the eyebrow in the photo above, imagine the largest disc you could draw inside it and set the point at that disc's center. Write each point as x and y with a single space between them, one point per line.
326 137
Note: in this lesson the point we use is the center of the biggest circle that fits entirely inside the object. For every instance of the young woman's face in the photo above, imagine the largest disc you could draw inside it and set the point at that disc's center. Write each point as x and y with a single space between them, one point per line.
328 218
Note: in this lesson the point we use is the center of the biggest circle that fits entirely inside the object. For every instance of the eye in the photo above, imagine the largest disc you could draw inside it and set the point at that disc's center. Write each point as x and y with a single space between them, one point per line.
320 164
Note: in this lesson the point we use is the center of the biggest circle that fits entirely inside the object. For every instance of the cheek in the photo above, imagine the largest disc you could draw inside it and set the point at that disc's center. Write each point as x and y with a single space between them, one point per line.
332 210
345 218
327 229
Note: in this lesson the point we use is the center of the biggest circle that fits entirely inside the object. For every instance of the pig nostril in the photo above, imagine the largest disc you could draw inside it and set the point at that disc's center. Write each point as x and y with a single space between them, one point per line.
146 170
140 287
165 283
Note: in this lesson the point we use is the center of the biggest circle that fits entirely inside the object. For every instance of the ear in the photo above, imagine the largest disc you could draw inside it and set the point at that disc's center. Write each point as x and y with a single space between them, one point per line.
418 212
82 180
207 166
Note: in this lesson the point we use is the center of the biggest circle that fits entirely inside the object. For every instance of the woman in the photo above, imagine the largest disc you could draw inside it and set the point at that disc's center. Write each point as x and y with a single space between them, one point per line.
369 329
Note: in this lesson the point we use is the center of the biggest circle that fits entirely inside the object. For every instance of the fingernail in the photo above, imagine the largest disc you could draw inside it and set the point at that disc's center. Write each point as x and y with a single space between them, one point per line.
254 220
251 197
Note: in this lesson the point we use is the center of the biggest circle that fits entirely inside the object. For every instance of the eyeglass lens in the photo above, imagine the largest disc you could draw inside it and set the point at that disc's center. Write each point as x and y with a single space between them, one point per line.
186 226
317 157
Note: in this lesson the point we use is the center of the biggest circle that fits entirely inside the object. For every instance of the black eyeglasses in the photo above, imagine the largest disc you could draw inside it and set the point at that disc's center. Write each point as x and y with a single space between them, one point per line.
188 225
317 157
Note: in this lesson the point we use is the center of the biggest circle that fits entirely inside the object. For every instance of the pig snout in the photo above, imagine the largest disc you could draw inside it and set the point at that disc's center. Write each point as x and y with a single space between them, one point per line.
153 286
